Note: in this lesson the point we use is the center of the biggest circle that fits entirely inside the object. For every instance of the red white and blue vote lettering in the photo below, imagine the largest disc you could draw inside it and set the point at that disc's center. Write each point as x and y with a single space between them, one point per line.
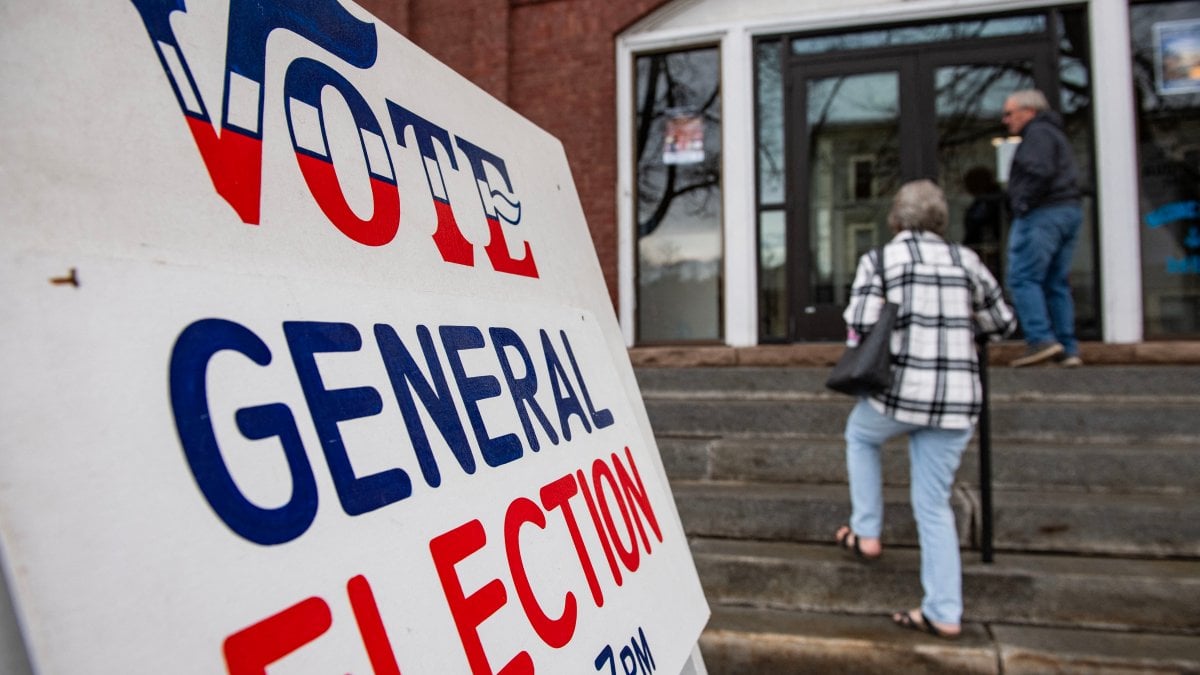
232 154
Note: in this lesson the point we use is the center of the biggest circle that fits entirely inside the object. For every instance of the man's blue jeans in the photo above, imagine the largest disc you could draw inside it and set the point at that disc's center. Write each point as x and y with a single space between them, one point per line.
934 455
1040 246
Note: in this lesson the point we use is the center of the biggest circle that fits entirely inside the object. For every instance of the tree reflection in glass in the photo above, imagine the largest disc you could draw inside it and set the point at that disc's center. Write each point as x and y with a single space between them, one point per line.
678 196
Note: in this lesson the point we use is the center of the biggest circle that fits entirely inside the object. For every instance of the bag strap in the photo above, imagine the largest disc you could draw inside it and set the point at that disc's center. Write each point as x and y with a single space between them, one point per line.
879 269
956 258
955 254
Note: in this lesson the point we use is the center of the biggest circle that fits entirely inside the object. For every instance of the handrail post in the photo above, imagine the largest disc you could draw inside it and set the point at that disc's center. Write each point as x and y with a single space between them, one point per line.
985 458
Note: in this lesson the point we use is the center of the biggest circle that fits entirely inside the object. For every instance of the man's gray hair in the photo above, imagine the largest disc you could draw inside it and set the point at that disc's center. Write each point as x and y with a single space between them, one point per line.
919 205
1033 99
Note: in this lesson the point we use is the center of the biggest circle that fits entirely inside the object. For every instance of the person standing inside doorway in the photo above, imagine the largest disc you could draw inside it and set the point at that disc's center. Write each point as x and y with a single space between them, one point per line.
1043 193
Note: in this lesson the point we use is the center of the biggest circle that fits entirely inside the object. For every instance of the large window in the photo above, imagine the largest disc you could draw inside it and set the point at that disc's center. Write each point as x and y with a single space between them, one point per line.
772 225
678 201
1166 68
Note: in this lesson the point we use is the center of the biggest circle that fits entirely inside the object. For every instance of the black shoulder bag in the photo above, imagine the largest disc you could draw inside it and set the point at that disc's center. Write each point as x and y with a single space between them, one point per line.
866 368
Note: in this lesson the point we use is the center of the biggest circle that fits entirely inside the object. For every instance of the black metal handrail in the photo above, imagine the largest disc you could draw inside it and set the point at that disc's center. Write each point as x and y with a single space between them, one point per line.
985 458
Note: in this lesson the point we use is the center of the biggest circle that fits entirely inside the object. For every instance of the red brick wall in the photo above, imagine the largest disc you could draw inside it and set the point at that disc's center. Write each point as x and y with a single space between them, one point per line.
394 14
553 61
470 36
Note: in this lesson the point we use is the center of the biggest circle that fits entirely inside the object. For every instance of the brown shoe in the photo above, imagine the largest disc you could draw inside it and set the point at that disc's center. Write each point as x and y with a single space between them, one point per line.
1072 361
1042 351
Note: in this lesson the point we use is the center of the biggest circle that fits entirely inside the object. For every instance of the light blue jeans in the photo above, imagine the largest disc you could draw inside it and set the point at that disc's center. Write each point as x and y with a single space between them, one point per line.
934 455
1040 246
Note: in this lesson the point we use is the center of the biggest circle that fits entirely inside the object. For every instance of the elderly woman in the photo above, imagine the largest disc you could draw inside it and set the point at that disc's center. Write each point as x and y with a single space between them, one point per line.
945 296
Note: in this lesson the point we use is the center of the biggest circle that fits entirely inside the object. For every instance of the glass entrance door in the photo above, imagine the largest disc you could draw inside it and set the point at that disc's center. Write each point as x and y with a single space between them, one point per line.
916 103
852 151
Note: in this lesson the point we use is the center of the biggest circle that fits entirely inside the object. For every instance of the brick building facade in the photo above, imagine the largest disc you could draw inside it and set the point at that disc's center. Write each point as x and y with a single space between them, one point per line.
553 61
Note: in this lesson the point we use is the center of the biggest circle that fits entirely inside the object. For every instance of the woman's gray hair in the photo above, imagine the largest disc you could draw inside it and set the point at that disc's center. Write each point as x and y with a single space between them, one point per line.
919 205
1033 99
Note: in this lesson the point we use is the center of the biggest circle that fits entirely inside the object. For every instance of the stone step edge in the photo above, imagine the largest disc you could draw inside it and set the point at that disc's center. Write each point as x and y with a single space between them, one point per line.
833 441
907 558
757 459
983 648
997 435
1047 440
899 493
1071 592
968 485
825 354
968 497
994 397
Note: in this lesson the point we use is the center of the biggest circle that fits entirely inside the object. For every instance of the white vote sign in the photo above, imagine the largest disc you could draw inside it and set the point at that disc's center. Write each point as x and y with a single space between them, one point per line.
309 364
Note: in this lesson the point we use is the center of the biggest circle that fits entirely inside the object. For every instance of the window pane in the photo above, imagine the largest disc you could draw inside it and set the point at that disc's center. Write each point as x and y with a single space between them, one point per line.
854 160
1166 67
678 200
969 103
1076 101
914 35
770 125
772 276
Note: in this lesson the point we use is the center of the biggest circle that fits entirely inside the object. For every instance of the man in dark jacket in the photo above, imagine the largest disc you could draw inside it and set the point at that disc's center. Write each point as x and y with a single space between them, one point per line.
1043 192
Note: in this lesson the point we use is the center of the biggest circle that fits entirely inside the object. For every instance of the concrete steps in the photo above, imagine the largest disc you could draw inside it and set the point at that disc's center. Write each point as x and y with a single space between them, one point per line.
1096 474
1118 404
1162 596
1093 524
1165 468
1103 420
743 640
1030 383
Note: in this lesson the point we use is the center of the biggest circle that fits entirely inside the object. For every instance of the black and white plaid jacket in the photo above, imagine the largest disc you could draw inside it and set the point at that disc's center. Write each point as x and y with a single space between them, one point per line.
945 295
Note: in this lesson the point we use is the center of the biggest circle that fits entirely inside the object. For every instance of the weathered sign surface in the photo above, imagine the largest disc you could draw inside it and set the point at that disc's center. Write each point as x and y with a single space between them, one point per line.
309 363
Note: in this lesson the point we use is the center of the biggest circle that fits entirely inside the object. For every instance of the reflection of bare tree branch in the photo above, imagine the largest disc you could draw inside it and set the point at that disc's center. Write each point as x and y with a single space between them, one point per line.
773 164
706 179
646 120
1079 91
710 180
1144 66
969 85
769 89
712 99
651 224
816 128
